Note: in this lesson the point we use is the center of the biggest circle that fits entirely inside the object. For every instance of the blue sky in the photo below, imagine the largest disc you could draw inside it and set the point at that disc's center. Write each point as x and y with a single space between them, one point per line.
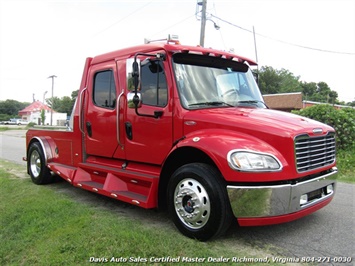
39 38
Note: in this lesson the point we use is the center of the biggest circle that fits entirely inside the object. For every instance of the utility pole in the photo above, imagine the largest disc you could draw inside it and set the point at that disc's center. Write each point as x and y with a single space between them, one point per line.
203 22
44 96
256 52
52 77
256 58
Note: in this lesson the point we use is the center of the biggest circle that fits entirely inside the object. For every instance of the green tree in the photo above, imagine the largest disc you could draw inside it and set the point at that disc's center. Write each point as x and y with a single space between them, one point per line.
74 94
66 105
319 92
323 91
43 116
289 82
269 80
309 89
54 103
333 96
12 107
273 81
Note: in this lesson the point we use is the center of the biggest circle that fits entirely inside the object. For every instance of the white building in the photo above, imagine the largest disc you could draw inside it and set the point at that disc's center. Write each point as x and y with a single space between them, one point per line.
32 113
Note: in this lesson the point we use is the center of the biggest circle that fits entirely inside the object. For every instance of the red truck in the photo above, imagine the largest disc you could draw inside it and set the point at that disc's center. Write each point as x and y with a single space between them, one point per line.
186 129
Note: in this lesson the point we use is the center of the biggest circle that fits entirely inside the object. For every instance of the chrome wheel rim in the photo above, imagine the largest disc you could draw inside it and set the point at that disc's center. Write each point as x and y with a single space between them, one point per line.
192 204
35 164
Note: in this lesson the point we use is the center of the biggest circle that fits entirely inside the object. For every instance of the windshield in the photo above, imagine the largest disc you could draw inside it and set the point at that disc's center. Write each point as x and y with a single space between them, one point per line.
205 81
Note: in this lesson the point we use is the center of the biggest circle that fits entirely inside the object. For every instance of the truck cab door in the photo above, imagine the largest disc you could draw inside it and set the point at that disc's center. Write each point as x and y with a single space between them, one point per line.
101 117
149 139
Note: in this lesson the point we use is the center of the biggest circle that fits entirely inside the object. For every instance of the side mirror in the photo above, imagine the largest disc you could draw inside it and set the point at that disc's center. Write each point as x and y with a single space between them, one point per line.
133 74
134 100
136 74
133 70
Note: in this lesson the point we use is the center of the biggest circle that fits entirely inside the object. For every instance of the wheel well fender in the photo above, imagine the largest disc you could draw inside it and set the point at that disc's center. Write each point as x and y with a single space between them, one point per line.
48 146
177 158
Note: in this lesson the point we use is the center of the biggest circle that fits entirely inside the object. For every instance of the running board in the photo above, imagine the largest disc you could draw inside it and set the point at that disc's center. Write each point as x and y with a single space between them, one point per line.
133 187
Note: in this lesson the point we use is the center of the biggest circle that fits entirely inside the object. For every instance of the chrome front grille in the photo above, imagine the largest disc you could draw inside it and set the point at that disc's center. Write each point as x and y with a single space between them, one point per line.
314 152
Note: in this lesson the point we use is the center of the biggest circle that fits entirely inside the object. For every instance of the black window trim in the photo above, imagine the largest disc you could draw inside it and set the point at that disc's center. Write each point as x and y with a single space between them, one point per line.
167 87
94 83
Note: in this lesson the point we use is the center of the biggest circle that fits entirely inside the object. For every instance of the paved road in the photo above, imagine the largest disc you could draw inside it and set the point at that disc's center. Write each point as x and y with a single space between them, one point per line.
326 233
13 145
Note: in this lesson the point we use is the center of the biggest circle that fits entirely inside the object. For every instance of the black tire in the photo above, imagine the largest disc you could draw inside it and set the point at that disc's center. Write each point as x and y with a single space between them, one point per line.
198 202
37 168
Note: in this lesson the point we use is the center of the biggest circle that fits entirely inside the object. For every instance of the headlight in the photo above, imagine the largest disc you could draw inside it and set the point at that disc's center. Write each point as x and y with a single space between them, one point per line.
249 161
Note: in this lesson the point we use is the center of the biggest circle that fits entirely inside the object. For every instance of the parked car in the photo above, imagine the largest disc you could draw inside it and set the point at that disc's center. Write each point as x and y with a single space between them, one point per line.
22 122
15 121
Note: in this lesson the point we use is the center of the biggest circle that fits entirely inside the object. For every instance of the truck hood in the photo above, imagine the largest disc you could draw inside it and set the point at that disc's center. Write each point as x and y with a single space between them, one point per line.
261 123
261 130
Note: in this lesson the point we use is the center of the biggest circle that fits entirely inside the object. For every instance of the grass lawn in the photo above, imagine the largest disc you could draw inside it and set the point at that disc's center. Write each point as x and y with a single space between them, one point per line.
6 128
346 166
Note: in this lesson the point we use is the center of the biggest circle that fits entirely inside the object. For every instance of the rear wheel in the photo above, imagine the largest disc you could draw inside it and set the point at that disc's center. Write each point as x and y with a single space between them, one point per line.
198 201
37 168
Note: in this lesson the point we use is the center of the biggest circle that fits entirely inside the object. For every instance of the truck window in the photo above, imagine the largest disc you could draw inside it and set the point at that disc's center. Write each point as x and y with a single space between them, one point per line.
211 82
104 89
153 84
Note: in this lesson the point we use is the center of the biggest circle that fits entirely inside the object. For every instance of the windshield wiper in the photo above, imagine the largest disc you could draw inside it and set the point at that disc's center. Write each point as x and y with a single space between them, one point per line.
253 102
215 103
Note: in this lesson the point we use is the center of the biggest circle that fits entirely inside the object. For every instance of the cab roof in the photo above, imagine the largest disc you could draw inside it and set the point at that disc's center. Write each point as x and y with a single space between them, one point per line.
169 48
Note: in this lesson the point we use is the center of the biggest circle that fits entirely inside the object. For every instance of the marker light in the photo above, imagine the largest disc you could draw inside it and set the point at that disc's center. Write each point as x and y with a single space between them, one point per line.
330 189
303 199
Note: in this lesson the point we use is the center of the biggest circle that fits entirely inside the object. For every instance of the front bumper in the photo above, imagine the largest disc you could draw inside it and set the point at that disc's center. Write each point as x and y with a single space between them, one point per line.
264 202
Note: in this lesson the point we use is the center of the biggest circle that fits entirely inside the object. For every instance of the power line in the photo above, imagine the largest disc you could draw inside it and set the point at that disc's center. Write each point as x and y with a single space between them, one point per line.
281 41
177 23
120 20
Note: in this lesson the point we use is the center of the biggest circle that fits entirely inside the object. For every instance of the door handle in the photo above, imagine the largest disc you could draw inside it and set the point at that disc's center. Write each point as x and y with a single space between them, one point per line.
89 129
129 130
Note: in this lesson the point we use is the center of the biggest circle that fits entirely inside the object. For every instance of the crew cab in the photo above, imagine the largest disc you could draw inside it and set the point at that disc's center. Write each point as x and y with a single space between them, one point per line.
186 128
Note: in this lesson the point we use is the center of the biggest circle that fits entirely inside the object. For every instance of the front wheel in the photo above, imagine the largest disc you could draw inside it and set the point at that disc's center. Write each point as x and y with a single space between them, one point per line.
198 201
37 168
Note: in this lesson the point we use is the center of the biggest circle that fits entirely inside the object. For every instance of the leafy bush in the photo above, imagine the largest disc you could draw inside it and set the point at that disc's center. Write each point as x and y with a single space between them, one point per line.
342 120
31 124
